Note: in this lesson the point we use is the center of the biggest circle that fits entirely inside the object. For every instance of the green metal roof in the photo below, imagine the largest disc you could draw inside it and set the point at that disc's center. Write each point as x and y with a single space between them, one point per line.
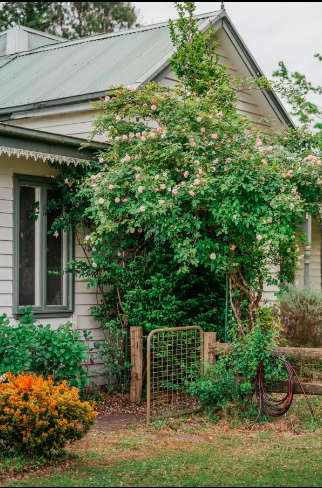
86 66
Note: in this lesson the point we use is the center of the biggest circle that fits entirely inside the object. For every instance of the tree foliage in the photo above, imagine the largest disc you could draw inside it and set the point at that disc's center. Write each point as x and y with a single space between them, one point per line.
295 88
69 19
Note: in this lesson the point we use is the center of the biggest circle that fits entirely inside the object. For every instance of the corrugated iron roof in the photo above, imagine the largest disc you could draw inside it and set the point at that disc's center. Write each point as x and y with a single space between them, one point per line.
86 66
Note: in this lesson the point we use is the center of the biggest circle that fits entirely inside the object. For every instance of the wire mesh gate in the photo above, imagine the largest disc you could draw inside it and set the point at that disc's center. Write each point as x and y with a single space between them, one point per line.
174 358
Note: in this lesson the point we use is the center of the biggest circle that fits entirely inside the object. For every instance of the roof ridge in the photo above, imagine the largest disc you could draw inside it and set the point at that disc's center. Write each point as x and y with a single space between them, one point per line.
96 37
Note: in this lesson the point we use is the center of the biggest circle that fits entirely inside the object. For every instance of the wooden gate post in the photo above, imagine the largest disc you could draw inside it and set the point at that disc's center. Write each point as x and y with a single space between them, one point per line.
136 336
210 339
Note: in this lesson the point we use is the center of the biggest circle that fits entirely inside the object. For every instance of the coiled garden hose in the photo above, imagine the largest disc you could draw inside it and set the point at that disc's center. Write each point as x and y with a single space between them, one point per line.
271 406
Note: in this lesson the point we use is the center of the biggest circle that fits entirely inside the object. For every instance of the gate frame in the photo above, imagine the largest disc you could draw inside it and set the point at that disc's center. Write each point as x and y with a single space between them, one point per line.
171 329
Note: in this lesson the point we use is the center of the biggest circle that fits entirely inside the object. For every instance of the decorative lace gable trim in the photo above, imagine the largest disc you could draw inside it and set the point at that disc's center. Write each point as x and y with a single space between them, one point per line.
10 151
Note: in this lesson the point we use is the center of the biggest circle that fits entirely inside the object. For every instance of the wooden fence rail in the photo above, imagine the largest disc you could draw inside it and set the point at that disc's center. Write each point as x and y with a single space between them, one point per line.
296 354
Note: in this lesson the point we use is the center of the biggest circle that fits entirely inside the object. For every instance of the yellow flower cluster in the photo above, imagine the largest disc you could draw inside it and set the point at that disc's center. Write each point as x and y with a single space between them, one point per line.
37 416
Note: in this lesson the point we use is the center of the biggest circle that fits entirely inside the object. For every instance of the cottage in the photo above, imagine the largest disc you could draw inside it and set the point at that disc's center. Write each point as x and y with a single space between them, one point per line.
46 84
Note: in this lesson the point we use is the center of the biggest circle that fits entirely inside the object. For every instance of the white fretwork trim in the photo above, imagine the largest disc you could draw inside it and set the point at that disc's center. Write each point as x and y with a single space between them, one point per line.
10 151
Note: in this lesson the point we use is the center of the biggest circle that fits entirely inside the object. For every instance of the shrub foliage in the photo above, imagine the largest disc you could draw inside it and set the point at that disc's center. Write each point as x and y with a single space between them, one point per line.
301 316
42 350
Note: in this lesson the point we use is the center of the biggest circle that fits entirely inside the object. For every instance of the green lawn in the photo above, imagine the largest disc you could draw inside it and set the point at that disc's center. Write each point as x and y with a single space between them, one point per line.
286 453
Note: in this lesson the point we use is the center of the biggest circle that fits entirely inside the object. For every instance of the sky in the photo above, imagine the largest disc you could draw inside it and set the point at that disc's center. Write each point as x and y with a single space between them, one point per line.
272 31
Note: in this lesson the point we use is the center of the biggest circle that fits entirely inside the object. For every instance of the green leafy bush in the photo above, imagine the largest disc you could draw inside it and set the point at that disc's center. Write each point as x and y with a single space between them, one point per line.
37 348
232 379
301 316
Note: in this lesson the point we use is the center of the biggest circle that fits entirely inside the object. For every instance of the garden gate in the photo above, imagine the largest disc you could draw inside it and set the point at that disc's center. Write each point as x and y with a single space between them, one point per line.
174 358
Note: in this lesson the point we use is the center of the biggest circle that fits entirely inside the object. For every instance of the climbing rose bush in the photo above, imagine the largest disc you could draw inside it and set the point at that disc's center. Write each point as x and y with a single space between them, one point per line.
37 417
185 172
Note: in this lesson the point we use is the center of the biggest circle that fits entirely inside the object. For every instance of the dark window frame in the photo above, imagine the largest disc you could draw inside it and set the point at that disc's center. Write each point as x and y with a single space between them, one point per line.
42 311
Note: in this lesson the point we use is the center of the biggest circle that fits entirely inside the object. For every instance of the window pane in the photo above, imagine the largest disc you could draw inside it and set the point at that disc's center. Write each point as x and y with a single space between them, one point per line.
27 247
55 259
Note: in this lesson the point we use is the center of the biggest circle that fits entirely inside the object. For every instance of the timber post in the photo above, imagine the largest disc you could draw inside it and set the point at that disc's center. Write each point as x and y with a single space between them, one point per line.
136 335
210 339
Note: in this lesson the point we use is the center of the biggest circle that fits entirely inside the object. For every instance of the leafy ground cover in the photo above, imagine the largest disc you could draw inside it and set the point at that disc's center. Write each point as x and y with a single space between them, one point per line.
191 452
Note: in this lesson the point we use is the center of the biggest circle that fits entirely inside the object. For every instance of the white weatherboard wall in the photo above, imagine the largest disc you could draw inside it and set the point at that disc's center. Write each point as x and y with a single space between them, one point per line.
84 298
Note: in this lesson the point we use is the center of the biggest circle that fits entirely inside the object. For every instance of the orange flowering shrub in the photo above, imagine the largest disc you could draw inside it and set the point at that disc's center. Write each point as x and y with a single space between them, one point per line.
37 416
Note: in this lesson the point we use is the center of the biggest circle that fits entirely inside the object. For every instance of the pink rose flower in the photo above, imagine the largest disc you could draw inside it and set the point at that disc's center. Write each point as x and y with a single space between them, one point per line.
214 136
175 191
212 256
118 118
138 134
124 137
125 200
219 115
107 99
131 135
111 187
199 119
94 265
163 186
192 193
186 174
86 238
200 171
101 160
258 142
203 129
319 182
259 237
154 107
156 177
127 158
142 208
140 189
101 201
117 200
226 169
213 169
196 181
152 135
161 202
143 139
310 157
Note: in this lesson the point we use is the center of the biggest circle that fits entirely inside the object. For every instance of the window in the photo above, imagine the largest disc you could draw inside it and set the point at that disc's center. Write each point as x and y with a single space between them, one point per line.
36 252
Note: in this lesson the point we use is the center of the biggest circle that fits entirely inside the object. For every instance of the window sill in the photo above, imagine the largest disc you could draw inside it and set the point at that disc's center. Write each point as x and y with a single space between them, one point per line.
48 315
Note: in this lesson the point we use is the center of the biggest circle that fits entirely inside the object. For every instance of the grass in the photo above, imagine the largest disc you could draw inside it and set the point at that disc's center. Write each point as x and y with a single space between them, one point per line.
283 453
